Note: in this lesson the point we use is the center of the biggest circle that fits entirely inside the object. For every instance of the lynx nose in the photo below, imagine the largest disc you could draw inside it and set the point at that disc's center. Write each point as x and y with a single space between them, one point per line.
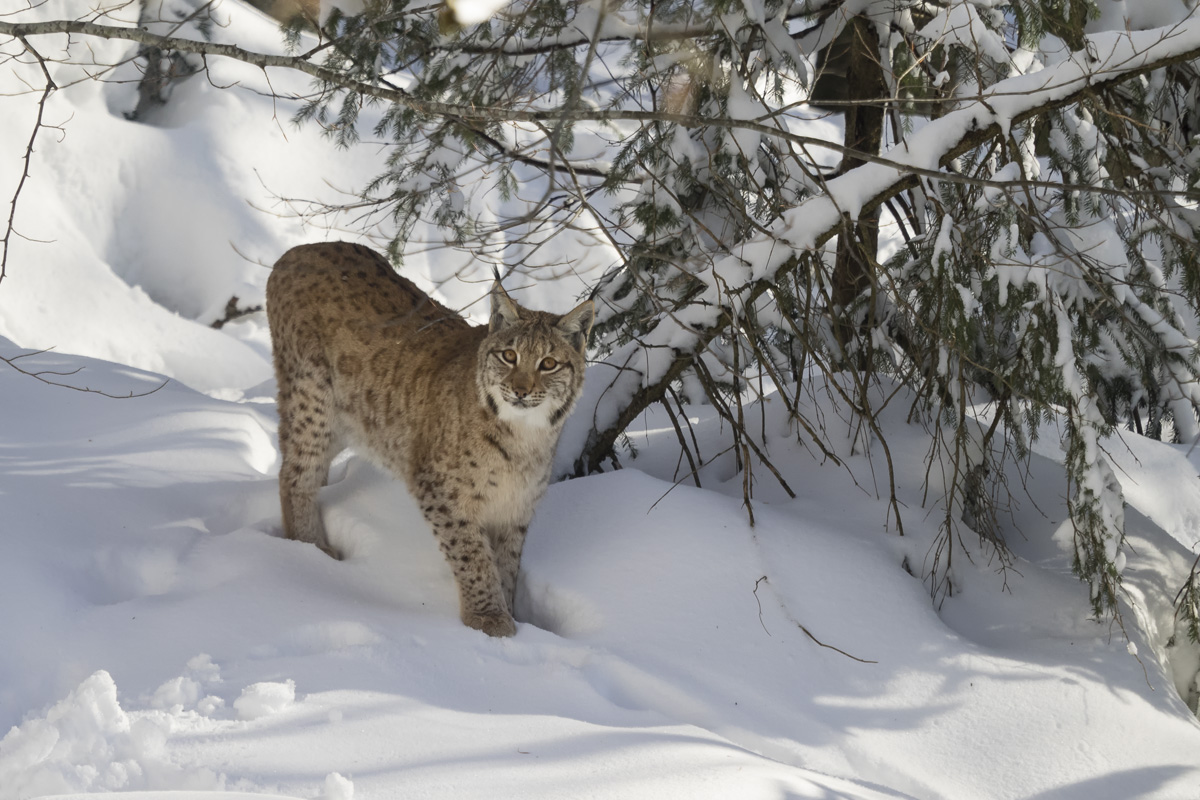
521 388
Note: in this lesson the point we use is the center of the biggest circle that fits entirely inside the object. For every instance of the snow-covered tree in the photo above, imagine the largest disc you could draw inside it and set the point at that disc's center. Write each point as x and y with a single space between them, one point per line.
990 203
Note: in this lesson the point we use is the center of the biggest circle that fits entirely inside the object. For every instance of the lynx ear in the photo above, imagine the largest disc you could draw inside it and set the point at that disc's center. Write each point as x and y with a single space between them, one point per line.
577 324
504 310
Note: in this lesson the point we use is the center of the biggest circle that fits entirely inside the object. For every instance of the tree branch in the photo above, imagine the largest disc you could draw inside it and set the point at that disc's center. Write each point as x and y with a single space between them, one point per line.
868 186
10 228
1065 84
42 373
861 190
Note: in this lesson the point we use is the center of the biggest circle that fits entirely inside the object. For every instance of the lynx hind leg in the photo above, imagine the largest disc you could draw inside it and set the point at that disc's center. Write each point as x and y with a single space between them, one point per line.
481 598
306 445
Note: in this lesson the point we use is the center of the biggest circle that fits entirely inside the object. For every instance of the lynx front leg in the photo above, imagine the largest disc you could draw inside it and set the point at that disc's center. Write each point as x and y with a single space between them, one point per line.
507 543
306 446
481 598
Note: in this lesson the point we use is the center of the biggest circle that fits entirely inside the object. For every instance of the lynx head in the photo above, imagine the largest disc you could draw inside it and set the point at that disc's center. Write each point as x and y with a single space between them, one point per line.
531 362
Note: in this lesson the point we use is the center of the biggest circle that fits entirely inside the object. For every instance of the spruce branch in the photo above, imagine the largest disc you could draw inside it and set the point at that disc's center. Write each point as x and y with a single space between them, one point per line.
982 122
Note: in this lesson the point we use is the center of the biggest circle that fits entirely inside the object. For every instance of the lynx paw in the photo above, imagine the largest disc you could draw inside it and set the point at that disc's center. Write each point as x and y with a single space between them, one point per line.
491 624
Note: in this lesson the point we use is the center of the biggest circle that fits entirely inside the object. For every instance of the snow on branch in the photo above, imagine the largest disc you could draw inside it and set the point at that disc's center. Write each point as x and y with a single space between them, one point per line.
738 279
936 145
1010 101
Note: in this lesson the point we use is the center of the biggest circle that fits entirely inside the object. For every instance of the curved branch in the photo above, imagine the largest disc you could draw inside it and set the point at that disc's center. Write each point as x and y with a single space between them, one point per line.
41 374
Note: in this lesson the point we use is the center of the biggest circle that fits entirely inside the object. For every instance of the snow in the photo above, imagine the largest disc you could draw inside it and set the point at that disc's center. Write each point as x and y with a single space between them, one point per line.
961 24
264 699
158 222
743 105
169 639
1113 52
473 12
163 640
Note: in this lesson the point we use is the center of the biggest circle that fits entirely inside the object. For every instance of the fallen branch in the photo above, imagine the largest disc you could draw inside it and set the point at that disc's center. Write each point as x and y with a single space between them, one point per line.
41 376
800 625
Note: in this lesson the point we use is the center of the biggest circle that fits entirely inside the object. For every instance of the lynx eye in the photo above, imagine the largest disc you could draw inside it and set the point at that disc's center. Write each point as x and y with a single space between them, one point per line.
547 364
510 356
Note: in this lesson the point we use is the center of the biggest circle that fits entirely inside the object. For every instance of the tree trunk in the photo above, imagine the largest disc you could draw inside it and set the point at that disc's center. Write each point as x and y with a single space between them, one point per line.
858 242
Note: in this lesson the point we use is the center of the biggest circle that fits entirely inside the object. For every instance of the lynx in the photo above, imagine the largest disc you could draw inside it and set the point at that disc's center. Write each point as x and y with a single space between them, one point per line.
468 416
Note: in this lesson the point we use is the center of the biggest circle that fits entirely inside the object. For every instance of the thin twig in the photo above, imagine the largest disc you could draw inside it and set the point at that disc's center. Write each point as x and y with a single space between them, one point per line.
682 441
40 375
800 625
6 242
759 602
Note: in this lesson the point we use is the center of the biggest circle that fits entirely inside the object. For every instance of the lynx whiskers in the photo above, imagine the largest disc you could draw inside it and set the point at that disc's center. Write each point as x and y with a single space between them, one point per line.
469 417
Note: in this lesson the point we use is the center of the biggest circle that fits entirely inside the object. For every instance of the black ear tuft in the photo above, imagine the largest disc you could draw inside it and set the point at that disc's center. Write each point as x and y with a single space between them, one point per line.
504 310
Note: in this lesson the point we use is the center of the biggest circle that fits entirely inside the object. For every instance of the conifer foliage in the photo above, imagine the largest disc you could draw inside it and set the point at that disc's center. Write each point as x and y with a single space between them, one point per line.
1005 223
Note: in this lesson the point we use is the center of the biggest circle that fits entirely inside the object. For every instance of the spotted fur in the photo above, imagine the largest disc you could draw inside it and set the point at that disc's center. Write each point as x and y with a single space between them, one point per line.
468 416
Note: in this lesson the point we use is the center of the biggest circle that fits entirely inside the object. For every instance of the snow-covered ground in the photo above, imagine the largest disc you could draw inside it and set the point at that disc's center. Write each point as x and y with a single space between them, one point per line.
159 636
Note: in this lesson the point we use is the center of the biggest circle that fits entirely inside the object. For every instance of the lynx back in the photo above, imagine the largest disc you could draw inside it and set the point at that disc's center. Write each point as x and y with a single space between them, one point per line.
469 417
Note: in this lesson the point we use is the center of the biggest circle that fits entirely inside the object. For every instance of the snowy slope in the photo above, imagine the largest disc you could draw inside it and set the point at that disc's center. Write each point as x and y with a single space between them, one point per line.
134 236
166 637
161 636
248 661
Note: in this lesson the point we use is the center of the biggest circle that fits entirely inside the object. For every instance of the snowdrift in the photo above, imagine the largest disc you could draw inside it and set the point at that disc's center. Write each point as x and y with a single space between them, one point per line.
162 636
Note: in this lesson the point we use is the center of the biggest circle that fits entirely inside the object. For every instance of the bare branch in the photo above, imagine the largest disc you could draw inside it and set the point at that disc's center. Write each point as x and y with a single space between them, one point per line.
801 626
10 229
42 374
